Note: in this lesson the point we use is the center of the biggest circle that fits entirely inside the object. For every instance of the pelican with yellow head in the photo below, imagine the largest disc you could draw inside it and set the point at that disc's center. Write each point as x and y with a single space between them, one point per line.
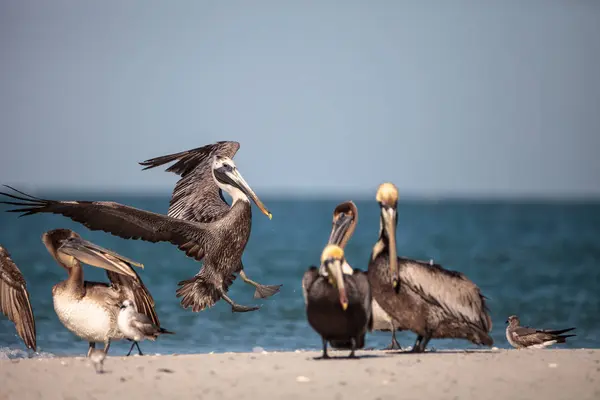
338 305
421 296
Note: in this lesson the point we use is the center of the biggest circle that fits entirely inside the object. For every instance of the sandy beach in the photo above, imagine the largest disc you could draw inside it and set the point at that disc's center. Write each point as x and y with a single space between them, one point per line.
518 374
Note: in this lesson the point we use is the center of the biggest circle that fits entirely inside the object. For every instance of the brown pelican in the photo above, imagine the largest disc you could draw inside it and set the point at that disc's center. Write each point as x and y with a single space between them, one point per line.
90 309
421 296
522 337
198 197
345 218
14 299
338 305
136 326
219 244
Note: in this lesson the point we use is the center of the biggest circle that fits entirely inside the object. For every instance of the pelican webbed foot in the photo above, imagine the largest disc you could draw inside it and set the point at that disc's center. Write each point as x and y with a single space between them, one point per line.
353 344
262 291
238 307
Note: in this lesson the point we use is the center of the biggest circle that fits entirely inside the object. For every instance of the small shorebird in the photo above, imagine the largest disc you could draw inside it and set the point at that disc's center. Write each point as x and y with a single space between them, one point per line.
97 358
345 218
219 243
522 337
338 305
422 297
14 299
136 326
90 309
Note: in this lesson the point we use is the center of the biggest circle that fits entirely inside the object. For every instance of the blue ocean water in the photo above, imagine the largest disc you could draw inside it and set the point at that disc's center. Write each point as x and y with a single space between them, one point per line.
538 260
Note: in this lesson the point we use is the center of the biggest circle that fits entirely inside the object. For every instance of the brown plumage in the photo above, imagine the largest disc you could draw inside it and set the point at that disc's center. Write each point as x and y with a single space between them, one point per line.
522 337
218 244
198 198
345 218
422 296
14 299
90 309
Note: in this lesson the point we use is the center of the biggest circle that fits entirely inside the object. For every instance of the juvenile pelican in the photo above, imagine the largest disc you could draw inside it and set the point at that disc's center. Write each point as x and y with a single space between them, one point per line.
345 218
338 305
136 326
423 297
219 244
14 299
198 198
522 337
90 309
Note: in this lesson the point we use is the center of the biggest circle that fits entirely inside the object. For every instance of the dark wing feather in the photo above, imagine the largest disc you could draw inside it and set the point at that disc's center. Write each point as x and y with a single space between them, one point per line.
134 289
14 299
310 276
196 196
120 220
362 284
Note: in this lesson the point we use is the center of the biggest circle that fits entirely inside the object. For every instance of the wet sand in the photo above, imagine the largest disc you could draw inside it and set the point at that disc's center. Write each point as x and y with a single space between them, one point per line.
509 374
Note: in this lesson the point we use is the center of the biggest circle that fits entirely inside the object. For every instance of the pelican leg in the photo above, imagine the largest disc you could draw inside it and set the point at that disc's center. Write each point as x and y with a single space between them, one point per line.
353 346
417 346
91 347
324 356
106 346
262 291
394 345
424 343
237 307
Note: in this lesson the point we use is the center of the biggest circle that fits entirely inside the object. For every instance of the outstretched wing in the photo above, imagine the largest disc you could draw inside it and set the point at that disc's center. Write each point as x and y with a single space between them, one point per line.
450 290
120 220
14 299
196 196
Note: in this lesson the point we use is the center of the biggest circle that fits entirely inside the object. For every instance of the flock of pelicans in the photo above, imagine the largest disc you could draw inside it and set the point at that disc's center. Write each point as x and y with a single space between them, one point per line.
342 303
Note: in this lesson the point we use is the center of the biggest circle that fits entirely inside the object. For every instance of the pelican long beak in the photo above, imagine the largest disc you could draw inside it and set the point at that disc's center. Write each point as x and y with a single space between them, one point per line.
339 229
97 256
234 178
334 267
388 214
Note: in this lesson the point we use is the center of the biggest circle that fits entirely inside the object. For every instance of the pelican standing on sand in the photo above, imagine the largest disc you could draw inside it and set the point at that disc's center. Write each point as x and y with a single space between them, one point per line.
198 197
423 297
90 309
14 299
345 218
522 337
136 326
219 244
338 305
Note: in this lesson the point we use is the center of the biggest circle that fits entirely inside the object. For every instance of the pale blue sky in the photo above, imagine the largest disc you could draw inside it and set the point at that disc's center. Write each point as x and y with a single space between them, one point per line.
461 97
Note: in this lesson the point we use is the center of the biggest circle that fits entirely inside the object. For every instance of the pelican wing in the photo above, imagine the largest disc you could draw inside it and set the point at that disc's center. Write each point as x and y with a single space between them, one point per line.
362 284
196 196
310 276
120 220
14 299
134 289
450 290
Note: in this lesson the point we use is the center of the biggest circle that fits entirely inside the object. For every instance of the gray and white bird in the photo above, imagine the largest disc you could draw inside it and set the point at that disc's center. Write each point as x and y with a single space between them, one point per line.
136 326
522 337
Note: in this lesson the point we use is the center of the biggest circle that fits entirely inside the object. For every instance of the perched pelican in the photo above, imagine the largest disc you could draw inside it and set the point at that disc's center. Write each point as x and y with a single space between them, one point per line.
338 305
14 299
136 326
219 244
522 337
421 296
90 309
345 218
198 197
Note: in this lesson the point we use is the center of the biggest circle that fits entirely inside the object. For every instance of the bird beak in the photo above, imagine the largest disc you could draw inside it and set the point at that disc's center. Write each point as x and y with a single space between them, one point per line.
235 179
388 215
334 267
94 255
339 229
